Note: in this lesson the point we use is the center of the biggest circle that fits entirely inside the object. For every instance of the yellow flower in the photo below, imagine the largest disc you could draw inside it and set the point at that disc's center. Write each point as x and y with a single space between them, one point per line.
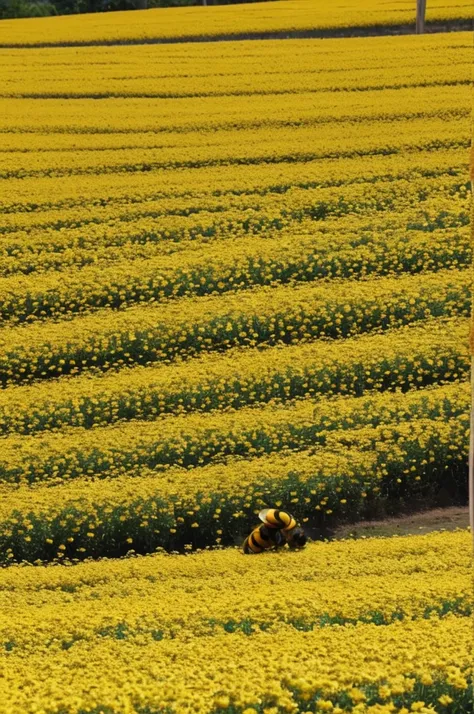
222 701
384 691
357 695
445 700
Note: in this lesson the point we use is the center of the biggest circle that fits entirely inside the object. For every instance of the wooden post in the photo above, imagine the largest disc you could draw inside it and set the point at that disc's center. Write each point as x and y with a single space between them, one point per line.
420 16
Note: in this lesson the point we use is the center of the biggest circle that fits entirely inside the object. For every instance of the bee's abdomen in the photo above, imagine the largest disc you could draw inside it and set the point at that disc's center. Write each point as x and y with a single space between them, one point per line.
279 519
257 541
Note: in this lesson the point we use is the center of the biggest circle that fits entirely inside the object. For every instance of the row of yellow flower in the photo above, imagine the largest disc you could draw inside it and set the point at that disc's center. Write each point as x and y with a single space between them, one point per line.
224 266
246 146
402 181
417 355
339 560
285 17
128 120
211 77
147 510
262 316
336 185
232 233
62 237
165 596
361 473
421 666
429 188
195 439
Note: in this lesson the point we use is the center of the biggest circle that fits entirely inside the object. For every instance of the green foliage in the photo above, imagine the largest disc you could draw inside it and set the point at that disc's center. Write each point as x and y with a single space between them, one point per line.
23 8
42 8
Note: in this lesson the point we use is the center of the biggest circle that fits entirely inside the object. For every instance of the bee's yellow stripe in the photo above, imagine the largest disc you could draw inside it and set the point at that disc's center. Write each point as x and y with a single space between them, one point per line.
279 519
248 547
258 537
256 542
271 519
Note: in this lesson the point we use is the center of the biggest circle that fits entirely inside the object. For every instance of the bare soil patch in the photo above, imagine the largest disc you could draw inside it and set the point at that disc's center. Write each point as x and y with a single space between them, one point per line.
436 519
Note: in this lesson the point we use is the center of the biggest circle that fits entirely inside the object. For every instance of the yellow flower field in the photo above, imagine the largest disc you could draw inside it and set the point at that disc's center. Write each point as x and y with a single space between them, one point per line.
440 563
372 626
233 275
180 238
259 19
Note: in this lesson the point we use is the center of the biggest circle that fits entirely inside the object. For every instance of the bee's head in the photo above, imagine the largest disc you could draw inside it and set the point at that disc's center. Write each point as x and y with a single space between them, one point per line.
297 538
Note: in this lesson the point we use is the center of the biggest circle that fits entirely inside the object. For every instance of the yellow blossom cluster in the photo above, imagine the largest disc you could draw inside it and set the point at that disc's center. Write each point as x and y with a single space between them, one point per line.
232 276
301 17
408 357
356 474
223 266
373 626
261 316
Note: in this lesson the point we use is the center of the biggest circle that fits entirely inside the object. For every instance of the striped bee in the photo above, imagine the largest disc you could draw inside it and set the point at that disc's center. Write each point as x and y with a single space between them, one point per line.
273 518
277 529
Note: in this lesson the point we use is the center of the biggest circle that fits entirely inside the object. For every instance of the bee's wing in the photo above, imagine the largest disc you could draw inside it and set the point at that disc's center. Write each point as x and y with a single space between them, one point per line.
263 514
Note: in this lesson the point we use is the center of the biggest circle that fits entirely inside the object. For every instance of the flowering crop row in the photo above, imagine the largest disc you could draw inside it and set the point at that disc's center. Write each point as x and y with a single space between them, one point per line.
32 197
158 594
135 81
331 215
435 352
193 440
284 315
146 510
359 473
233 265
42 249
239 265
320 19
126 120
326 195
336 190
246 146
436 552
420 665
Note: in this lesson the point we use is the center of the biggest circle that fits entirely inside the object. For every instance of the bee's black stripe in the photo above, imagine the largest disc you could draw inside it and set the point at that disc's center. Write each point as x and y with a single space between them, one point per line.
253 542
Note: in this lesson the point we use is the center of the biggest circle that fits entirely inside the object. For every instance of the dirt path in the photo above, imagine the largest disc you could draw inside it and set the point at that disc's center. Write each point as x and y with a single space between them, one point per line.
414 524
